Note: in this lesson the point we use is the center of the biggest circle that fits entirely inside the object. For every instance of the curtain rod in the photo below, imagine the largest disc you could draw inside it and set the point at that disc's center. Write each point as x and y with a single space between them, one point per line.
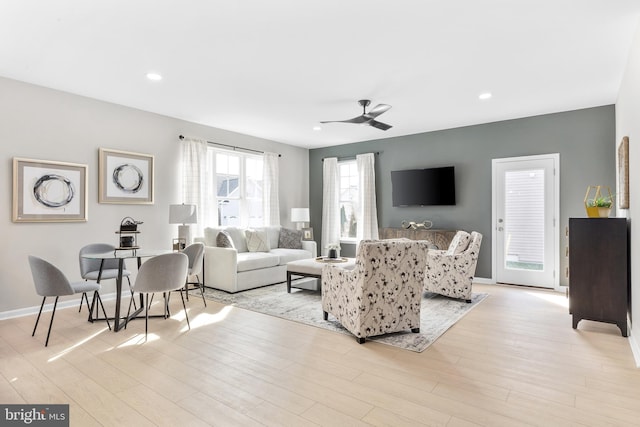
351 157
181 137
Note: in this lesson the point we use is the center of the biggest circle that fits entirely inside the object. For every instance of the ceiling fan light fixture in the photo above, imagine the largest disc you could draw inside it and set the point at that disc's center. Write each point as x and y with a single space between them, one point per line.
484 96
317 128
367 118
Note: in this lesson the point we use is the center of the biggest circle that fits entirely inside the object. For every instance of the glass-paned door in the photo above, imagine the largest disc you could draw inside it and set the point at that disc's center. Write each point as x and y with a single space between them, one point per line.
525 211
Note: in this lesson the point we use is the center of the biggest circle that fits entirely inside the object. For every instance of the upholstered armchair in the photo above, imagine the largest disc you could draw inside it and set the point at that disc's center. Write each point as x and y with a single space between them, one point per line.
451 272
383 293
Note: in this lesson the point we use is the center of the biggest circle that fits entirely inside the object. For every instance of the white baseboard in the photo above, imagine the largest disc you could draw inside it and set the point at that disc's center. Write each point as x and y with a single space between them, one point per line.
484 281
635 348
28 311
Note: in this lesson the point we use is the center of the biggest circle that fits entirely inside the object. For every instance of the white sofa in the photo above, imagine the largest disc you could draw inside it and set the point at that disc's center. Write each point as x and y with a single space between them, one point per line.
237 269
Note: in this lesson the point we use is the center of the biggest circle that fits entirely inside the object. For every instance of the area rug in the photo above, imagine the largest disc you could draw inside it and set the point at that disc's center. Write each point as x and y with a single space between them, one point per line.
438 313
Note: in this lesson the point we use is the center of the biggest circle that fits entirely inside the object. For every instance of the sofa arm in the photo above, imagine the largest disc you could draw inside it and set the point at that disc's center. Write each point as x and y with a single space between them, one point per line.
310 246
221 268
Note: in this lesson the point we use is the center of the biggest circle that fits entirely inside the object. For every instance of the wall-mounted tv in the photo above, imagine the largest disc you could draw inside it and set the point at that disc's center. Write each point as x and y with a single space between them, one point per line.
423 187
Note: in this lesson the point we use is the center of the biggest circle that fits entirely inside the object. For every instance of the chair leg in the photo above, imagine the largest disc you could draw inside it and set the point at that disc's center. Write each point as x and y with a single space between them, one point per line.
325 315
97 295
146 318
185 309
38 318
415 330
201 285
167 296
83 298
53 313
93 305
360 340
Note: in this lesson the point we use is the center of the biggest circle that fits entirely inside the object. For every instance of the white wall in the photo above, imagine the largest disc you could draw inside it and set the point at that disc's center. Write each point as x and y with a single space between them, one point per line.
628 124
45 124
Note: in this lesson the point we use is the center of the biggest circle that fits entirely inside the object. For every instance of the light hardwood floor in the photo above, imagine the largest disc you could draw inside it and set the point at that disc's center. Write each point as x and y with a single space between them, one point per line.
513 360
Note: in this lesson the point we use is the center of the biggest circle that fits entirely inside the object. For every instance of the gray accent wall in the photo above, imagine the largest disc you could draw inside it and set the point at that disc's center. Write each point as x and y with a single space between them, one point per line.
582 137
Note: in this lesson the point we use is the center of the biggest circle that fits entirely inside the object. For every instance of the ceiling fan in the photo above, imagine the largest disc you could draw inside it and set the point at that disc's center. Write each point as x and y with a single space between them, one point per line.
367 118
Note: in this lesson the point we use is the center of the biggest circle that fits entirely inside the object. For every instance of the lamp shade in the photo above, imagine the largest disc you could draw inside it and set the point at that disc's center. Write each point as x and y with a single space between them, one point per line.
183 214
299 214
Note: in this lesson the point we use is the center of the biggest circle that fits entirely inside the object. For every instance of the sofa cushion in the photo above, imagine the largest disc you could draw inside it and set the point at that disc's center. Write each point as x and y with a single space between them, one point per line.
273 234
257 240
255 260
290 239
223 240
236 234
288 255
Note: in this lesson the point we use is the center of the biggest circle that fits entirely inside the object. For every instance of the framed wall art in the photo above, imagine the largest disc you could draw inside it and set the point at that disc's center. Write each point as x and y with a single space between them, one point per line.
49 191
307 233
623 173
125 178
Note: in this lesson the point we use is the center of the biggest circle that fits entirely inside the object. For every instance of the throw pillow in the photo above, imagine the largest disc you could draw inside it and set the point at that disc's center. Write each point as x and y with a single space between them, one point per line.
223 240
459 243
290 239
257 240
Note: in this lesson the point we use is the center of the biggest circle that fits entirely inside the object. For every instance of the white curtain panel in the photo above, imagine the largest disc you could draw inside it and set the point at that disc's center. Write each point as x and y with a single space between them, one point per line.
195 183
330 203
368 218
270 201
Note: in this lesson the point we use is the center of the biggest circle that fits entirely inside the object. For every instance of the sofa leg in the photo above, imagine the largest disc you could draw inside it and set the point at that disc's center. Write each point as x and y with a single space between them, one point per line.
360 340
325 315
415 330
468 301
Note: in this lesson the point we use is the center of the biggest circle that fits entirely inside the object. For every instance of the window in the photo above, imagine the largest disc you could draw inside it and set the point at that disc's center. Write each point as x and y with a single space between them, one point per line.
348 202
238 183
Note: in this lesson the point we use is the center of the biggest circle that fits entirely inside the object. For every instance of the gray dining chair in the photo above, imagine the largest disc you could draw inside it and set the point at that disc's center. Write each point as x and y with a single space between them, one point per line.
51 282
162 273
90 268
195 253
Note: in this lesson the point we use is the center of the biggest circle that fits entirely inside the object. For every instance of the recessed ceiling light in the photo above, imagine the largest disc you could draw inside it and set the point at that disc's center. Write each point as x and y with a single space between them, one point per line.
154 76
484 96
317 128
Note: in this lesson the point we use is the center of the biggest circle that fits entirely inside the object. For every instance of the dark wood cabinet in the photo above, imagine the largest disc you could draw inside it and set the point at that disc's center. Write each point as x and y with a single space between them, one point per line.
599 270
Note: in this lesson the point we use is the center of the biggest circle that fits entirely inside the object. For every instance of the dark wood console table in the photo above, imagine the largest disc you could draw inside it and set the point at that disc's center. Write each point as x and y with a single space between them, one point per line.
440 238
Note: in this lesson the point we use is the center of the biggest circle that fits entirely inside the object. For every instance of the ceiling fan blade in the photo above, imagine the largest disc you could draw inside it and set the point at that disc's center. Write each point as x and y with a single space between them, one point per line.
377 110
359 119
379 125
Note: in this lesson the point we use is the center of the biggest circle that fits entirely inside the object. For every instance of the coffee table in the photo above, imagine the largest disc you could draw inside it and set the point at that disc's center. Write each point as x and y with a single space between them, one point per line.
312 267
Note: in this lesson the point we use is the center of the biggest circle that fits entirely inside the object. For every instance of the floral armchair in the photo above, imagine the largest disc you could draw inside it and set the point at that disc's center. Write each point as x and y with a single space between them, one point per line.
383 293
451 272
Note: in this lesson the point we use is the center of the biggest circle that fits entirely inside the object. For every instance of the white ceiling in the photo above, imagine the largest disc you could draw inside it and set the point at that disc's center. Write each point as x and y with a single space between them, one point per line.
274 69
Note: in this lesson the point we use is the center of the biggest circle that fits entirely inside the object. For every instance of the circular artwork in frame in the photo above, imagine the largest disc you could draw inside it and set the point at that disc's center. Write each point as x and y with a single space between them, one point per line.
125 177
49 191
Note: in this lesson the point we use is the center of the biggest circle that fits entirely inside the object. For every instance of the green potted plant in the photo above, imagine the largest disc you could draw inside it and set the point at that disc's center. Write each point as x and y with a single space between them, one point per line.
599 206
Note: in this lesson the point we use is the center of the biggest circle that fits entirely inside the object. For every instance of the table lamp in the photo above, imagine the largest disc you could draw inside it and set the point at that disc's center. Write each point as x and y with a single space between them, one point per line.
300 215
185 215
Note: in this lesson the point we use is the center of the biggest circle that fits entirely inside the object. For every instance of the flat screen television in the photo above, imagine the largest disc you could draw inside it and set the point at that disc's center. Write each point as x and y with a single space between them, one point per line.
423 187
